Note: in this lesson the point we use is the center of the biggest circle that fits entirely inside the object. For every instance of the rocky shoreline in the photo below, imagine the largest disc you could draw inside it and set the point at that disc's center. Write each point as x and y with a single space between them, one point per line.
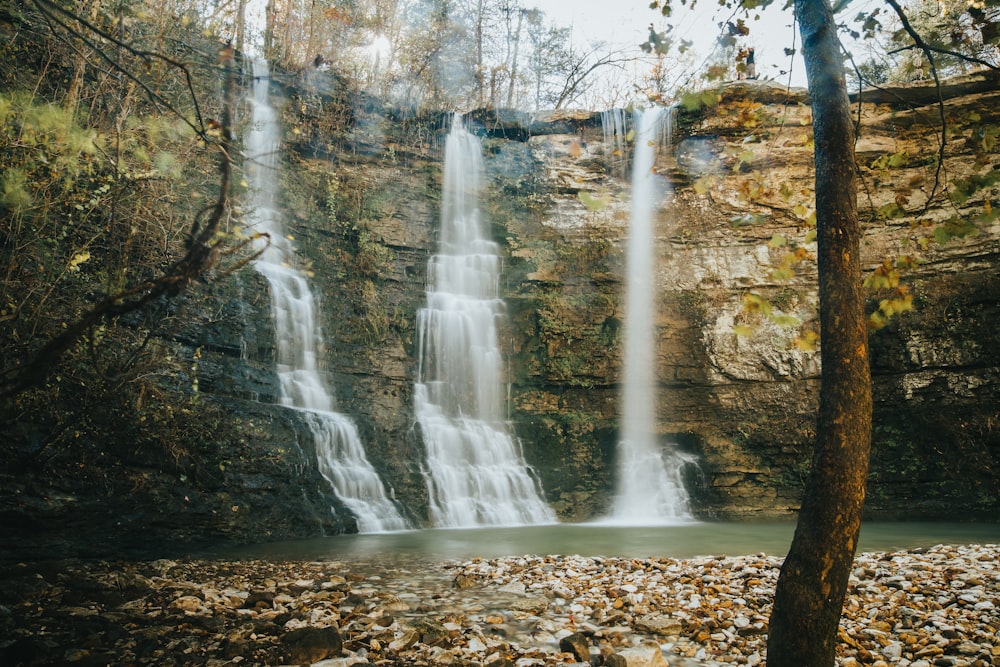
935 607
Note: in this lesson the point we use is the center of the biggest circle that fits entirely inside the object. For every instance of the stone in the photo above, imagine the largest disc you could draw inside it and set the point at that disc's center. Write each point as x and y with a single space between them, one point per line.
646 655
311 644
577 644
189 604
405 641
660 624
450 627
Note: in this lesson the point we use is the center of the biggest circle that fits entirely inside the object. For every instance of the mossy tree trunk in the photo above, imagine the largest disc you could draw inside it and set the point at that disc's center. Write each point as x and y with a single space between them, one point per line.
813 582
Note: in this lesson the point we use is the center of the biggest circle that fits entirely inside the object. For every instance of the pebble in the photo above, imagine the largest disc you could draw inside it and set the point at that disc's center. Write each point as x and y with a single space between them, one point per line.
933 607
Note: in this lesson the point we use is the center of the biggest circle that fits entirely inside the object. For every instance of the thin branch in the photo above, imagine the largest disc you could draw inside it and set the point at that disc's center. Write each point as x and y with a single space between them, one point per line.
202 253
928 51
924 46
44 6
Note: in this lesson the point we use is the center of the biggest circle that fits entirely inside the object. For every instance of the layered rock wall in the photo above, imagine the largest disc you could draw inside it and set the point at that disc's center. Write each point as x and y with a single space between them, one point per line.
738 384
207 456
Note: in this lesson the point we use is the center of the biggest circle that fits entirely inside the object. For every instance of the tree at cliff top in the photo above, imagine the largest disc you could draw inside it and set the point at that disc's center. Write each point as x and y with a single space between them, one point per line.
439 54
953 37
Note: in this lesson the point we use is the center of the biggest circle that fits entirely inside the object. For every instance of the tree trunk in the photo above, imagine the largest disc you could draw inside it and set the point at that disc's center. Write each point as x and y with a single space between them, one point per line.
513 61
480 70
89 10
241 26
813 583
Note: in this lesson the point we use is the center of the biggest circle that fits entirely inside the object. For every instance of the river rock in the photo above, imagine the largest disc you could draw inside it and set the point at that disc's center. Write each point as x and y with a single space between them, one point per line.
312 644
660 624
646 655
477 625
577 644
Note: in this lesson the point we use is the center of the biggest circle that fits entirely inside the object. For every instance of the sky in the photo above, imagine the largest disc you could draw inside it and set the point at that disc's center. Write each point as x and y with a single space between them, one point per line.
626 23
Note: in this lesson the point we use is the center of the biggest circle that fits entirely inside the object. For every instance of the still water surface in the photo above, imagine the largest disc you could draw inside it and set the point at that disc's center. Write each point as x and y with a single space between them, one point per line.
680 541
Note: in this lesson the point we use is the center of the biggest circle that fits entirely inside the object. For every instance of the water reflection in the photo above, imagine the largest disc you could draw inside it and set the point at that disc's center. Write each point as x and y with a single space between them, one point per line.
680 541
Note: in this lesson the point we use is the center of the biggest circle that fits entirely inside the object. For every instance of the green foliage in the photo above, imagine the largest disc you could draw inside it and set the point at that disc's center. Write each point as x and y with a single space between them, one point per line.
756 307
701 99
890 161
885 279
963 189
350 210
592 202
959 32
15 198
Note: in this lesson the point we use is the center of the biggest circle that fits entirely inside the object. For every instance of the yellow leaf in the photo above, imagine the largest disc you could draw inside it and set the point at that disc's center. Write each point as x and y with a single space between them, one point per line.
592 202
78 259
877 320
783 320
700 186
755 303
742 330
807 340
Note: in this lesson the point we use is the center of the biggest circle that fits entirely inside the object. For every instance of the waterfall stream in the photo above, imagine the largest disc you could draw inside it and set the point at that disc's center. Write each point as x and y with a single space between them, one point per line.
475 470
341 456
650 488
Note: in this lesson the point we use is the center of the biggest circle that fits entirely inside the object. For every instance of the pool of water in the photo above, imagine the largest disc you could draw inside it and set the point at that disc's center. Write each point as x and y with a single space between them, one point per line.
679 541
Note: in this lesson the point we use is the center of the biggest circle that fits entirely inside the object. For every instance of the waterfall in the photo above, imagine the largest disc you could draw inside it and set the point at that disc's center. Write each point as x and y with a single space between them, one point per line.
650 489
341 456
475 470
613 125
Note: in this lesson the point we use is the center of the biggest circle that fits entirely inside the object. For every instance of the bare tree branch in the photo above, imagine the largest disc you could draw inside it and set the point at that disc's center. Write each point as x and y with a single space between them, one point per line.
202 252
50 9
919 43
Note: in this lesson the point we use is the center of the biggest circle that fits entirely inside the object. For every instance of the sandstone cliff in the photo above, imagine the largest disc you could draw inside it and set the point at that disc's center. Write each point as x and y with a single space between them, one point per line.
365 208
738 388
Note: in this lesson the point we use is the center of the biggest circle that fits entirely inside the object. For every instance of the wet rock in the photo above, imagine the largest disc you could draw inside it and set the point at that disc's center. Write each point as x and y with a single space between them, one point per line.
659 624
406 640
311 644
714 600
647 655
615 660
577 644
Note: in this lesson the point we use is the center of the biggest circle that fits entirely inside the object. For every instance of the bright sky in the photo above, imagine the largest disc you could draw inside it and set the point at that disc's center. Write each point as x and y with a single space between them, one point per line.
626 23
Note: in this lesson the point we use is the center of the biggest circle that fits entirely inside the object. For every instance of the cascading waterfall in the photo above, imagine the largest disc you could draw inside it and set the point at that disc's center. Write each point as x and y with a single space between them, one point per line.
613 125
650 488
341 456
475 471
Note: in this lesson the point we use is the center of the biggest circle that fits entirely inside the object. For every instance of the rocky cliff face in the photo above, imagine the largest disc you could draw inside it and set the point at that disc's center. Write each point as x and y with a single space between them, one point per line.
736 288
736 283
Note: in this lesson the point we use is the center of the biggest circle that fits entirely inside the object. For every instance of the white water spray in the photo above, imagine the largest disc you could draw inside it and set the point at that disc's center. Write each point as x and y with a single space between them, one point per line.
614 125
341 456
650 488
476 474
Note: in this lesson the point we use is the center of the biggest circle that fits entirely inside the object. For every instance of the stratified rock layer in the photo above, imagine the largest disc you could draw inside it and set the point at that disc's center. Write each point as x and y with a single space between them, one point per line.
736 289
738 374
